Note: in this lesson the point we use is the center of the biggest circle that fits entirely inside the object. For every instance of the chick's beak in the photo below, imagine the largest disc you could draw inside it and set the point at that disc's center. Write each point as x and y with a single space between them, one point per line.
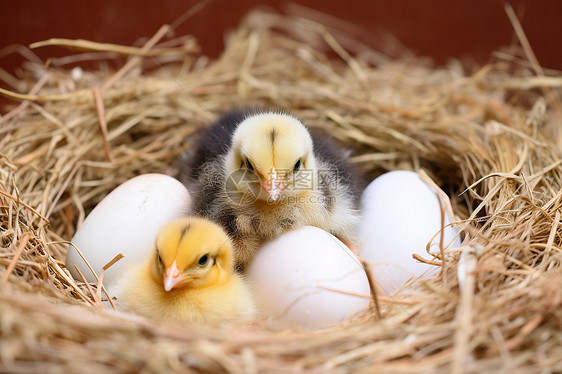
273 185
172 277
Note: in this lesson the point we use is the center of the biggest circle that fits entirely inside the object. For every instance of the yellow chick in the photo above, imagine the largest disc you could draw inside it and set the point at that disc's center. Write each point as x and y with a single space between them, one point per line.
260 173
189 277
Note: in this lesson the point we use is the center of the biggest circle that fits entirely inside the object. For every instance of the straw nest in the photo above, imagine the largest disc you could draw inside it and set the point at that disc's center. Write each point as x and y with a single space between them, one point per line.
488 138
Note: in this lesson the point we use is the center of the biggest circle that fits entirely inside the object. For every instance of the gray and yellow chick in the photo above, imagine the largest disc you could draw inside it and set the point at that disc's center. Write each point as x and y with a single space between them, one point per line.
261 173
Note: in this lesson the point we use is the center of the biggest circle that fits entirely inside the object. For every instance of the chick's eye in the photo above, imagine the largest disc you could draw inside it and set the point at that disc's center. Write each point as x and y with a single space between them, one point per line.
249 165
203 260
297 165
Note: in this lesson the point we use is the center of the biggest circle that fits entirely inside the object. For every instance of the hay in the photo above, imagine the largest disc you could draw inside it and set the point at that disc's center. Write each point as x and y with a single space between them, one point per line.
490 136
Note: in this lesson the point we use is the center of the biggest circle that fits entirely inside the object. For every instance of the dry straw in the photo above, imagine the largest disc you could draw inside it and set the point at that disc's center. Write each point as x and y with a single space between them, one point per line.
490 136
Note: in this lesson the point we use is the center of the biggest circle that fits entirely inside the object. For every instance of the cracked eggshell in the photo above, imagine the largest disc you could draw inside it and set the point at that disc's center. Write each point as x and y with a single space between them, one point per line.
291 276
126 221
400 215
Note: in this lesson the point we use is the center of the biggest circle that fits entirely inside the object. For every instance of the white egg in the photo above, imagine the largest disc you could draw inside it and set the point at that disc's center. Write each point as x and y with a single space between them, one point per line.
291 276
126 221
400 215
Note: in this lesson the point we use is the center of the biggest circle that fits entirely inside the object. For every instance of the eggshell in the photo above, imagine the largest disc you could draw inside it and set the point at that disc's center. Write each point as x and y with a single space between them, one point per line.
126 221
287 275
400 215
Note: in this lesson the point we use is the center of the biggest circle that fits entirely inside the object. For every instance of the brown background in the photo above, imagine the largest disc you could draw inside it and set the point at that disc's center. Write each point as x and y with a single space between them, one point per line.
438 28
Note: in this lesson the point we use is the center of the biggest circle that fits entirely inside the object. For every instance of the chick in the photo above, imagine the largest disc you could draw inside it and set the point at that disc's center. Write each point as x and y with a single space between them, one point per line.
189 277
260 173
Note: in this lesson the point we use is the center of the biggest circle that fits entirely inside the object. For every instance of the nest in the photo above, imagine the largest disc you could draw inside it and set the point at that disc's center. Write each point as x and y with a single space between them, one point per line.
488 137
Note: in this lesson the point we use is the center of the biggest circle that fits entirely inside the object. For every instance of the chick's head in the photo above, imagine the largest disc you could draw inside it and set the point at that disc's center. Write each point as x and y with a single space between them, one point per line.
271 151
192 252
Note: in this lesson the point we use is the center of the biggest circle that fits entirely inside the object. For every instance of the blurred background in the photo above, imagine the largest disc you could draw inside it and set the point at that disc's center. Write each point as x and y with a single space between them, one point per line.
441 29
